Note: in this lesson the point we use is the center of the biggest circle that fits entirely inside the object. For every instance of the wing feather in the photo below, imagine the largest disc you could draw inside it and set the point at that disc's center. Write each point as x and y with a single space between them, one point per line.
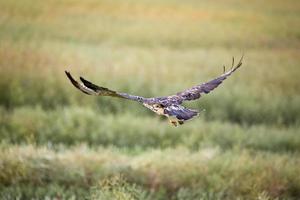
196 91
89 88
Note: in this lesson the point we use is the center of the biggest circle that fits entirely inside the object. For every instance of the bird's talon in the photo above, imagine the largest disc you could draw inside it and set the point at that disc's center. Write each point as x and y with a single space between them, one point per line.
174 123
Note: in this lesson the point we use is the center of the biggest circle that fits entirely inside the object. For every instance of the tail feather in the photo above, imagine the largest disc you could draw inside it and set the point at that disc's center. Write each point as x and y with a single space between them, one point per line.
180 112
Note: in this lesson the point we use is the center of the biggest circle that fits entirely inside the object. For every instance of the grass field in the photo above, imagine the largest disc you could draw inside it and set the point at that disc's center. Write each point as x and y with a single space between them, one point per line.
57 143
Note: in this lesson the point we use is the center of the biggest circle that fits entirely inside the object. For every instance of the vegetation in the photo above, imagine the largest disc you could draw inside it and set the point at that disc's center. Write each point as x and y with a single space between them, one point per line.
57 143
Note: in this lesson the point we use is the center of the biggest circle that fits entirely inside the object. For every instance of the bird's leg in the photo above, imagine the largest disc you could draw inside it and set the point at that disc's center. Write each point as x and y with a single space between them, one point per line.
173 122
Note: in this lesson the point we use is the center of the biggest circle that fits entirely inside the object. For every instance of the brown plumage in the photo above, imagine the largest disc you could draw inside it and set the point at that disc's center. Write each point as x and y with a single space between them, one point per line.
170 106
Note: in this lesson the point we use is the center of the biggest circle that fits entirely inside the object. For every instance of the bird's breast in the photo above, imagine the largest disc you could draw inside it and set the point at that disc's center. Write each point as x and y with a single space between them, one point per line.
159 111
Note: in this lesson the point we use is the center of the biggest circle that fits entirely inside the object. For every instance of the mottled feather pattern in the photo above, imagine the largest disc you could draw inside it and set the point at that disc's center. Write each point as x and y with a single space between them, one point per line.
195 92
169 106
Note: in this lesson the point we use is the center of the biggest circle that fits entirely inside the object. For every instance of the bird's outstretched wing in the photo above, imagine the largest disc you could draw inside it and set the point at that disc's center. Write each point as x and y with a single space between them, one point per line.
196 91
92 89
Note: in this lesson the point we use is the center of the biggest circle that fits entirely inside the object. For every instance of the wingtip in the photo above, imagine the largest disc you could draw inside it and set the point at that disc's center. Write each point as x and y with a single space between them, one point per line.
67 73
90 84
82 79
241 61
242 57
233 68
85 82
73 81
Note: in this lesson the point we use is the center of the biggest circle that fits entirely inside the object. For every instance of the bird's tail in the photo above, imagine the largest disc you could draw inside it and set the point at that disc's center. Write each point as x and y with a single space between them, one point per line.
181 113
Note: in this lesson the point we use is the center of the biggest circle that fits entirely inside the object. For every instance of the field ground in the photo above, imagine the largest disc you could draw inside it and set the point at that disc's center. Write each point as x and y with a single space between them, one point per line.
57 143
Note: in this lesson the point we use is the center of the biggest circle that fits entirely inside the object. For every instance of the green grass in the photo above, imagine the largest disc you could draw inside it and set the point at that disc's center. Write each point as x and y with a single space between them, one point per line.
237 173
71 126
57 143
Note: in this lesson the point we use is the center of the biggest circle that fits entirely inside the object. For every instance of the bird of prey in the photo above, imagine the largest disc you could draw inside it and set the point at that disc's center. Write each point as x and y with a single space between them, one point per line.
169 106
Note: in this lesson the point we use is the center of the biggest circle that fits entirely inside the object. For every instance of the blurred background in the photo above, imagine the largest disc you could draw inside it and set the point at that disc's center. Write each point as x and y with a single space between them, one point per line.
57 143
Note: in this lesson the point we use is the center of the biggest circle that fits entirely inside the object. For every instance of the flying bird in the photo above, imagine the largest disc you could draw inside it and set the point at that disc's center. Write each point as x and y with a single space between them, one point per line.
169 106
